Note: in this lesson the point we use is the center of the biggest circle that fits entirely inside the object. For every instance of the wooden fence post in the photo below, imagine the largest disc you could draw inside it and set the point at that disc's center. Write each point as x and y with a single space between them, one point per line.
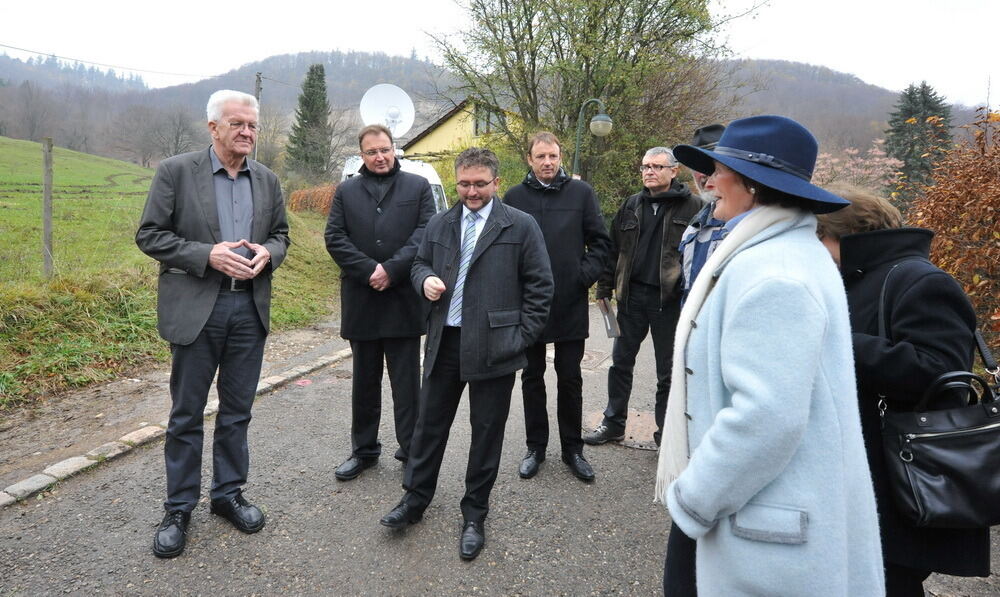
47 205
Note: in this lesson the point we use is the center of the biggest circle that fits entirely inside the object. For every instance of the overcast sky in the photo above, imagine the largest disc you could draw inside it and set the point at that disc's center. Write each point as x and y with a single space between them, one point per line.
890 43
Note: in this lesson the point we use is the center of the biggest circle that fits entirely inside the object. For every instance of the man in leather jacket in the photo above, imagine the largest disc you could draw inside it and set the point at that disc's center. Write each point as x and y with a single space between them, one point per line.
645 279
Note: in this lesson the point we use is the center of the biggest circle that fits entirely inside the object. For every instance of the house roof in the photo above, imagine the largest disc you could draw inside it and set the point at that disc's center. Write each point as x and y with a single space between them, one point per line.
430 128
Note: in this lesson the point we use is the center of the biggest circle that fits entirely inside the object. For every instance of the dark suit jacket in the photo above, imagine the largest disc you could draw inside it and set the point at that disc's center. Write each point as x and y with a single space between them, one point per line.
179 226
363 231
577 243
508 289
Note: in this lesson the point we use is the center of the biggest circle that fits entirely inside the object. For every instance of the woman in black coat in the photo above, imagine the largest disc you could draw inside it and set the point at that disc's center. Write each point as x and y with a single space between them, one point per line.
931 326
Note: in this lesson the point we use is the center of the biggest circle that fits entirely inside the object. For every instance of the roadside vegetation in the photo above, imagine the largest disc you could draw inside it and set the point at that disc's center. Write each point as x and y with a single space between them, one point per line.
96 317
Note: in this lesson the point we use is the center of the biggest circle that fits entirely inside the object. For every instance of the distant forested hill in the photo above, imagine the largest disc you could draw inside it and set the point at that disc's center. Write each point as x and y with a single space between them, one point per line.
107 114
348 75
52 72
839 108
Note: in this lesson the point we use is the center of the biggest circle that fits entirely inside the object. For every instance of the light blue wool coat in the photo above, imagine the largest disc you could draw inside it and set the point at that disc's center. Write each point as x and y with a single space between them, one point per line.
777 492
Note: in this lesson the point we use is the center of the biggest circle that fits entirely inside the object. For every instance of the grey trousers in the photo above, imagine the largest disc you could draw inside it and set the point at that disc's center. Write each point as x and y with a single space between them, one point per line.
232 343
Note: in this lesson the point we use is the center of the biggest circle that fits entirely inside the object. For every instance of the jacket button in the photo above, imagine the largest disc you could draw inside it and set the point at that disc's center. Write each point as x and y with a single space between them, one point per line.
688 370
693 324
378 210
378 243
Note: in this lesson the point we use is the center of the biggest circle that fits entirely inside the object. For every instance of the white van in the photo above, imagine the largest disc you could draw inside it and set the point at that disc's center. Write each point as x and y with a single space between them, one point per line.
352 166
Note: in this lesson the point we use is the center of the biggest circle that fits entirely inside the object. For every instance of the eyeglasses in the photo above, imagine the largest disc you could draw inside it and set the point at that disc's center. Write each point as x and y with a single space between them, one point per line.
238 126
654 167
480 185
374 152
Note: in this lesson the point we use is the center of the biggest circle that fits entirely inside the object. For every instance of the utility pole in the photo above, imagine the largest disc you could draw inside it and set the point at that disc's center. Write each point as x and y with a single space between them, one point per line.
47 205
256 94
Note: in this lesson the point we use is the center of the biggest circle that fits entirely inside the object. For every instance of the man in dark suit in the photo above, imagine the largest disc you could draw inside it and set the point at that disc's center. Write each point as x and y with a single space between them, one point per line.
578 245
484 267
376 222
215 220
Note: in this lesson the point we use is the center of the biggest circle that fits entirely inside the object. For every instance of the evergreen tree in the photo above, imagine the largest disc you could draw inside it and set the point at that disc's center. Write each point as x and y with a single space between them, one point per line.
919 133
311 137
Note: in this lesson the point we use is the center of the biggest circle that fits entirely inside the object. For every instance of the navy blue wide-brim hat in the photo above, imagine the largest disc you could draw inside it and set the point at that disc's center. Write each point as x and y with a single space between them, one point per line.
774 151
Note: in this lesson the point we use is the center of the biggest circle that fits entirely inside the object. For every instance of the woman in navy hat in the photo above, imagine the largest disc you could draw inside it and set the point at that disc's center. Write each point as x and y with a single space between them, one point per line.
762 461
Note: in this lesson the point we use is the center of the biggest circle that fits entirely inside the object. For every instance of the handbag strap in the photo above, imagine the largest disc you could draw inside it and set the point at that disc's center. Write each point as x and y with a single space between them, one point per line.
989 362
882 328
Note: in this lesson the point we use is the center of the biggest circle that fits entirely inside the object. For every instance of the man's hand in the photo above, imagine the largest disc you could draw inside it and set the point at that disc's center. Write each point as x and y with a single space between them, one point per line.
236 266
433 288
261 257
379 280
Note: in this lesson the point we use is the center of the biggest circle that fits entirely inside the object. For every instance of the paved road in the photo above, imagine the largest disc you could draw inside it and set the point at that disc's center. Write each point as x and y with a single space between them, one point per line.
551 535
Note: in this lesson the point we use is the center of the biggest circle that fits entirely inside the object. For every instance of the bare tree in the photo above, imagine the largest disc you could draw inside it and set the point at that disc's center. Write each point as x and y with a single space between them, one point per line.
133 134
175 132
272 134
345 123
35 107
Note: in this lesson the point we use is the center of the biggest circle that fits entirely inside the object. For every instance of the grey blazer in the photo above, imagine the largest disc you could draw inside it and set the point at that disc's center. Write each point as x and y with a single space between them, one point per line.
508 289
179 226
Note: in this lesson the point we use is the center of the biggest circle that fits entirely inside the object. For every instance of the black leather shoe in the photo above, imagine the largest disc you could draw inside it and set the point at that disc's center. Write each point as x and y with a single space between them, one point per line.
401 456
472 540
402 516
171 534
602 435
529 466
579 465
245 516
353 466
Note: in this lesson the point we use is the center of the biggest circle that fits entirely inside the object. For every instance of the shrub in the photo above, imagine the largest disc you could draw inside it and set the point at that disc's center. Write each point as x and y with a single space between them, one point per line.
872 170
315 199
962 205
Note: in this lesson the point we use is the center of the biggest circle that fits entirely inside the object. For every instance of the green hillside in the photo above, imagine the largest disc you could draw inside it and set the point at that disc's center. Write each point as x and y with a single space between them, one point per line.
97 316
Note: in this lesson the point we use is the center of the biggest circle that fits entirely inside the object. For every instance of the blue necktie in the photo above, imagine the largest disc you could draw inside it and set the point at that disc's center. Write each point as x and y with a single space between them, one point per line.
468 246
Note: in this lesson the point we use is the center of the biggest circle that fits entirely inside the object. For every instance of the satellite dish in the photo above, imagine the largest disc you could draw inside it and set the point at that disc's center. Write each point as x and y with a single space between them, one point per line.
388 105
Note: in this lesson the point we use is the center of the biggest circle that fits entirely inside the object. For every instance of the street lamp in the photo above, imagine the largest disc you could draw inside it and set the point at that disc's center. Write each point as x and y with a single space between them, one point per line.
600 126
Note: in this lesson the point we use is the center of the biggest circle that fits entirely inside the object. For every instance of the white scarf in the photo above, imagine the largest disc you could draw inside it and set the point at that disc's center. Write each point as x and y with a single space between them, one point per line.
674 451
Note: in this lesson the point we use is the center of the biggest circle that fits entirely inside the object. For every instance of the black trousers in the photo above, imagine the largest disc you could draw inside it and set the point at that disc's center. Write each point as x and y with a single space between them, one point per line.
569 396
232 343
641 314
679 578
901 581
489 404
402 359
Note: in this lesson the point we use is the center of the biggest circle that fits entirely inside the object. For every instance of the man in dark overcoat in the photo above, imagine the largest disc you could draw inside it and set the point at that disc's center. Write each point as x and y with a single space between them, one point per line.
375 225
215 221
484 267
578 246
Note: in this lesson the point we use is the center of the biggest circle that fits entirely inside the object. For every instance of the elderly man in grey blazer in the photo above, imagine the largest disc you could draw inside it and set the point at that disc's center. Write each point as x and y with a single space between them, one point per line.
484 267
215 221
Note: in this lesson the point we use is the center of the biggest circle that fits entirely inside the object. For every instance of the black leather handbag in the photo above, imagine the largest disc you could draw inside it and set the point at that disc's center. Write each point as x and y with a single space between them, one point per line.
944 465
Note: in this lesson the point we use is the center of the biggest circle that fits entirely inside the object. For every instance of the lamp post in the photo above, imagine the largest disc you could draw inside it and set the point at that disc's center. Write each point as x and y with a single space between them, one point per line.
600 126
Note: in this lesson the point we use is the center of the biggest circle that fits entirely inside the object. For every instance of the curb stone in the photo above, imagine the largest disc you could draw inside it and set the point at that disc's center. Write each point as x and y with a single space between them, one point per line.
146 433
29 486
142 435
69 467
108 451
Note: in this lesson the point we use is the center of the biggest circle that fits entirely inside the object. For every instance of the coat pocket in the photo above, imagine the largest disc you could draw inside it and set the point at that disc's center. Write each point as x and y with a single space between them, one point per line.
770 523
504 341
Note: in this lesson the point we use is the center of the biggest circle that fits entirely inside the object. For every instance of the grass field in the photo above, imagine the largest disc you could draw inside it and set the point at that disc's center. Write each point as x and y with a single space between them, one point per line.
97 316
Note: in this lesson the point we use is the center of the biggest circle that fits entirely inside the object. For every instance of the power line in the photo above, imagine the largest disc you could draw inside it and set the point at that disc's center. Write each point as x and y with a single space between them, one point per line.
277 81
137 70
